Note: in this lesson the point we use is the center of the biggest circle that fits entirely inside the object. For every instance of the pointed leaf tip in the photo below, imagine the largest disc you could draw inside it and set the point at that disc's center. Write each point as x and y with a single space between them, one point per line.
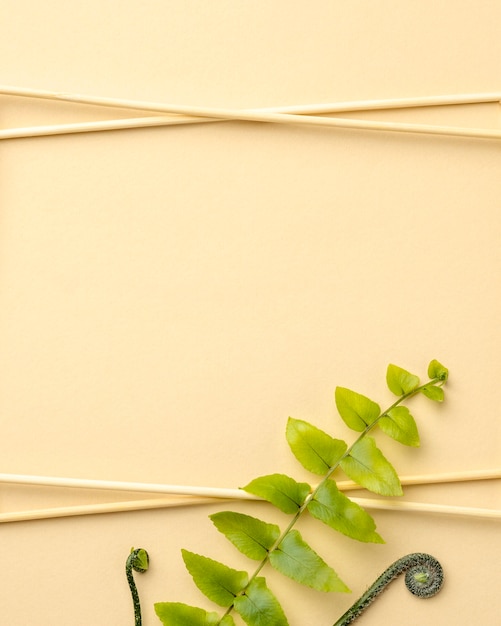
281 490
294 558
336 510
357 410
250 535
217 581
314 449
178 614
433 393
259 607
367 466
400 381
399 424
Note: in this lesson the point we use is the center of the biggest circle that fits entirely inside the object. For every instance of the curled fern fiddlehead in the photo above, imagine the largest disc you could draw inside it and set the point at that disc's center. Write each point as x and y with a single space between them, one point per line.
423 578
138 561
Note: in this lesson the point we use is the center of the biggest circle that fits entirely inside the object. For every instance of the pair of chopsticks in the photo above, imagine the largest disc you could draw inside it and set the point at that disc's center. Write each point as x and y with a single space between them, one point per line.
179 495
309 115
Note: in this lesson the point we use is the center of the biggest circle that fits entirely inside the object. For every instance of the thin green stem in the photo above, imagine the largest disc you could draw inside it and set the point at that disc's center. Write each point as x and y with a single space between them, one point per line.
332 469
138 561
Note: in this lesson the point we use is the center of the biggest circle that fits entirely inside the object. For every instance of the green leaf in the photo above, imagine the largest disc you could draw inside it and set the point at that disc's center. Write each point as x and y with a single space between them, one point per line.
259 607
177 614
314 449
294 558
281 490
250 535
399 424
400 381
367 466
437 370
357 410
218 582
333 508
434 393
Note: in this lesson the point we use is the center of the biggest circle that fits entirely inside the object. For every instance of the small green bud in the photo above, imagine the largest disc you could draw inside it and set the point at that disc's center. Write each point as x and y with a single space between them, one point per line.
139 559
437 370
421 577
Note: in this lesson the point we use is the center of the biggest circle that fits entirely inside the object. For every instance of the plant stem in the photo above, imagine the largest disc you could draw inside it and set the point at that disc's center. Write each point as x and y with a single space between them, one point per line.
137 561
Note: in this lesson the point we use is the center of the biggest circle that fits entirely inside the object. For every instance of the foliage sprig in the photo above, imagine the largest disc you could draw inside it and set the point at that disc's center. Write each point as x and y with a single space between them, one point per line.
285 550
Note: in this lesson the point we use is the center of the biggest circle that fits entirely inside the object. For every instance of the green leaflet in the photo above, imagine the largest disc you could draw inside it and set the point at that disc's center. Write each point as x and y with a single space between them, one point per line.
281 490
437 370
259 607
433 392
336 510
367 466
177 614
294 558
250 535
357 410
400 381
399 424
314 449
218 582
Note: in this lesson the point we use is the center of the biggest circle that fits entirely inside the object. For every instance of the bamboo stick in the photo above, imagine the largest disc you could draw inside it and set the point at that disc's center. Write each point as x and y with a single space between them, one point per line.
340 123
309 109
189 495
210 114
433 479
160 503
423 507
103 125
215 492
111 485
396 103
294 115
226 493
104 507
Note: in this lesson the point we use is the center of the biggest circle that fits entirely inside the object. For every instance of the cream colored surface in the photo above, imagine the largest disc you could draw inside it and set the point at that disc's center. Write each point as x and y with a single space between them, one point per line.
170 296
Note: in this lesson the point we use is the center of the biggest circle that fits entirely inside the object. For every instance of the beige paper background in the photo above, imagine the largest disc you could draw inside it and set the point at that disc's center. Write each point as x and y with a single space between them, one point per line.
170 296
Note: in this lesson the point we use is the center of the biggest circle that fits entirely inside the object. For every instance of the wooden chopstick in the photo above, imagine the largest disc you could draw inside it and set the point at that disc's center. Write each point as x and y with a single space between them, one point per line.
217 492
437 478
305 115
217 115
308 109
161 503
190 495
